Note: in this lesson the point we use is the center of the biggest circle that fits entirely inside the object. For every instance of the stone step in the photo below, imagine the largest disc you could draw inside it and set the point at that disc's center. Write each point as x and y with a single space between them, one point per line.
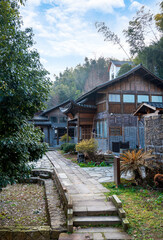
110 210
96 220
106 233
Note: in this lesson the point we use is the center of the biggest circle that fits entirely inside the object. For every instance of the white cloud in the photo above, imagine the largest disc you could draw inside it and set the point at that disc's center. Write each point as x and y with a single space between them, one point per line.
64 31
135 5
86 5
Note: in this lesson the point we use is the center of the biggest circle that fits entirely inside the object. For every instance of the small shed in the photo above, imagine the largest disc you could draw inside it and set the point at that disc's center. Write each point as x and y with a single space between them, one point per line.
153 126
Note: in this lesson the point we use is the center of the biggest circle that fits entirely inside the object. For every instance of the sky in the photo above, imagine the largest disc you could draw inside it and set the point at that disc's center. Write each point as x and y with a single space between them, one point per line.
65 30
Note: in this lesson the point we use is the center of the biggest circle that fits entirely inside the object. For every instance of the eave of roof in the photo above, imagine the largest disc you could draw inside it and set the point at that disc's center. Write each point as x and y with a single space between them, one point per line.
42 123
117 80
73 104
53 108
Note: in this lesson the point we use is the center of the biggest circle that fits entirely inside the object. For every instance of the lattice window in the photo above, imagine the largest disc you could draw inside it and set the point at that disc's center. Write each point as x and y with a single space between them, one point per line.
115 131
86 132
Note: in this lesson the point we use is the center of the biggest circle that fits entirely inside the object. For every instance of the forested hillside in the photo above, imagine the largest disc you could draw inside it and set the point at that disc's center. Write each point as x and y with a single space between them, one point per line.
73 82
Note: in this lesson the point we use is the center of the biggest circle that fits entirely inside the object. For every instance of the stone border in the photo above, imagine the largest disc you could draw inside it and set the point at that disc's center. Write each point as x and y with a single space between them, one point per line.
36 232
122 214
65 199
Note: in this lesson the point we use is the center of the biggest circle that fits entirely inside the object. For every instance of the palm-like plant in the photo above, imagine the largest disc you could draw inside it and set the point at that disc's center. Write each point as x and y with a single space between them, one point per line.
134 160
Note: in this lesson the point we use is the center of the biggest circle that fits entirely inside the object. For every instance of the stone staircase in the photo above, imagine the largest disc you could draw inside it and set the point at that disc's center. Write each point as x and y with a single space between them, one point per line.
87 206
95 216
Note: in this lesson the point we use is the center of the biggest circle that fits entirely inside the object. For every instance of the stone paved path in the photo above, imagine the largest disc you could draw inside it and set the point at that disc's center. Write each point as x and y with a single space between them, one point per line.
104 174
87 195
101 174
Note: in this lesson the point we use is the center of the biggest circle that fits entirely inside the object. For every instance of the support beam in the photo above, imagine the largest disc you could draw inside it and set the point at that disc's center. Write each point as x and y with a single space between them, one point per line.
67 132
78 128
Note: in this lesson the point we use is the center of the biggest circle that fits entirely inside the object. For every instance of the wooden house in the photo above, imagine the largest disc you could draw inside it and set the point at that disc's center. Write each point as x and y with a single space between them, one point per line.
54 124
114 67
106 112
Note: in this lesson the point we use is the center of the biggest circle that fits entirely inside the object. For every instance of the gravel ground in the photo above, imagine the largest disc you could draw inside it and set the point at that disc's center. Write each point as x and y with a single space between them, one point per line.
22 205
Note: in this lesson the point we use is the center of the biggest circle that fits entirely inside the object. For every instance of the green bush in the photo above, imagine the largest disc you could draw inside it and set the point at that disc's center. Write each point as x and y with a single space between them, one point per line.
69 147
88 148
63 145
64 138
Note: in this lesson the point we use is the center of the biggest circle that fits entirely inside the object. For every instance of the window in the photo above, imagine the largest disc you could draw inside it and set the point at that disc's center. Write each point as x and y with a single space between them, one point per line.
61 131
98 128
157 99
128 98
114 98
53 119
105 129
101 129
63 119
143 98
115 131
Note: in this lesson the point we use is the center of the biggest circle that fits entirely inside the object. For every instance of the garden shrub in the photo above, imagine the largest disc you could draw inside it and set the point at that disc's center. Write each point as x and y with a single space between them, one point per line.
87 147
64 138
63 145
69 147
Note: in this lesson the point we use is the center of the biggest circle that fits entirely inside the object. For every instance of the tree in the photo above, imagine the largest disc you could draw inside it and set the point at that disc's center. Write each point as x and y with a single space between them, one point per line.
110 36
24 86
70 83
159 18
124 68
152 58
137 30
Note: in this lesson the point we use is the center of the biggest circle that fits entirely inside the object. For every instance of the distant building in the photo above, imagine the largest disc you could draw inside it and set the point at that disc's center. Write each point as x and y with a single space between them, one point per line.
106 112
115 66
53 124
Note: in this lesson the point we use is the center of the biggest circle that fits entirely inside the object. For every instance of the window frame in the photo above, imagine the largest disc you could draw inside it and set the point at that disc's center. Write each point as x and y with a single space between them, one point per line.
157 96
139 95
128 101
117 101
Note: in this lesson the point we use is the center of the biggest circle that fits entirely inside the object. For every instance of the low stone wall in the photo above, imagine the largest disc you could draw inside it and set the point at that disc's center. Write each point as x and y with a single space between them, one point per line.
50 232
25 233
154 134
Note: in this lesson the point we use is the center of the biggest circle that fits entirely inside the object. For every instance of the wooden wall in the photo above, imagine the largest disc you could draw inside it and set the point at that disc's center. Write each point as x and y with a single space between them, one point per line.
135 85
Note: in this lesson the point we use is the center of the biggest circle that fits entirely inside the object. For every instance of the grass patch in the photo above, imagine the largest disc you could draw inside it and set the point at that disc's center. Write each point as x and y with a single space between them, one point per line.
94 164
73 158
143 208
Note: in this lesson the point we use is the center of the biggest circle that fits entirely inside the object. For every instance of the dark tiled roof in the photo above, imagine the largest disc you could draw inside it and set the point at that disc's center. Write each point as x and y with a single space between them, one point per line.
155 104
115 80
45 123
75 104
53 108
40 118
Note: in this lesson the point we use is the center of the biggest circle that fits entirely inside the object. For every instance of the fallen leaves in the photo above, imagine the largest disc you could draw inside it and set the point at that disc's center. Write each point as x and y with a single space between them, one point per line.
19 202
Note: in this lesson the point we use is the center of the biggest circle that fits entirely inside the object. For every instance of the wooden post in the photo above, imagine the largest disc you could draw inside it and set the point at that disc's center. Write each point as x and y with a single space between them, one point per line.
78 128
57 136
67 132
117 170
